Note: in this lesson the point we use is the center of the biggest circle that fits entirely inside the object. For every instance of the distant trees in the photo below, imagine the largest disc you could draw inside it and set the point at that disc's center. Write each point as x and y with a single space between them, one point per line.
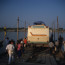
60 29
7 29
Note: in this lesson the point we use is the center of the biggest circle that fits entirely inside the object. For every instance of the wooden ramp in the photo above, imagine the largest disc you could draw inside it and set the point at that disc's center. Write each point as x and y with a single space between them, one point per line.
46 60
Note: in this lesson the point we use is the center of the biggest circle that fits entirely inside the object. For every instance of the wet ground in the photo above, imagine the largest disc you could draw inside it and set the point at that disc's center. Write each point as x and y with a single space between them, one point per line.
35 56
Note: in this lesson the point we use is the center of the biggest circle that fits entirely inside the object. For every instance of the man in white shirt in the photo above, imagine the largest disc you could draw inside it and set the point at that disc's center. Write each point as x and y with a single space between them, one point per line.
51 45
10 49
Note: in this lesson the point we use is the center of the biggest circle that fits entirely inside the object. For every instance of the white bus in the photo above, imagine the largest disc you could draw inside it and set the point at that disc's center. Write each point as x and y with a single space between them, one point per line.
38 35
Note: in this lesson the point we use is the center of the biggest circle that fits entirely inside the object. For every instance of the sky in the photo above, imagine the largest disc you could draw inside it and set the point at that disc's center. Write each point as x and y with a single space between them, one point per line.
32 11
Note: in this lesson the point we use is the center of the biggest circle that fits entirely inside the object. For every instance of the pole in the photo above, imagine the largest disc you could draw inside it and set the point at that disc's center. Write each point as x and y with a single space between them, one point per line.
25 29
57 27
52 28
62 32
54 32
17 27
24 34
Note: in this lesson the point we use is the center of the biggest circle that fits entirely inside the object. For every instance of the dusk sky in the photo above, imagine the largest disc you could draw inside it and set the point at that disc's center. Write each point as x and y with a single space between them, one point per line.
32 11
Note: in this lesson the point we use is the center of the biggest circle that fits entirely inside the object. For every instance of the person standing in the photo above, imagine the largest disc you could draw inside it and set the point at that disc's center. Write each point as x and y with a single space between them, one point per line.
10 49
25 42
21 41
64 48
51 46
56 46
19 49
60 42
7 40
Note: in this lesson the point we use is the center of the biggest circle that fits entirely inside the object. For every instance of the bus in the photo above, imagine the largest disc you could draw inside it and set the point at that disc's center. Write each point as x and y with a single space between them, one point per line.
38 35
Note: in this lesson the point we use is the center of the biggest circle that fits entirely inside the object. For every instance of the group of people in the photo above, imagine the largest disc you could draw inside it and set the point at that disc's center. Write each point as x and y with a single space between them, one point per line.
56 46
17 49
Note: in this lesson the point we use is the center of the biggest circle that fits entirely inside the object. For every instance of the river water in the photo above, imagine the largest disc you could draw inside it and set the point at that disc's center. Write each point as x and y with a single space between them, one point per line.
13 35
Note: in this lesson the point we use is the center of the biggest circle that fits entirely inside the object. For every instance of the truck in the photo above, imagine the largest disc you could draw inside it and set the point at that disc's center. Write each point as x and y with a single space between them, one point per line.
38 35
